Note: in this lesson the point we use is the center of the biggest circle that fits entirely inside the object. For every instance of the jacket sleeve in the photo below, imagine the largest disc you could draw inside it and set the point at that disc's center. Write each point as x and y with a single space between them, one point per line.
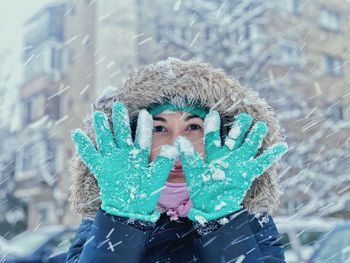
79 241
109 239
242 239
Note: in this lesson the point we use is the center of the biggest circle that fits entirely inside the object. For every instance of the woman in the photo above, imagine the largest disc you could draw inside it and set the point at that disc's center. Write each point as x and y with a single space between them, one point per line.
192 180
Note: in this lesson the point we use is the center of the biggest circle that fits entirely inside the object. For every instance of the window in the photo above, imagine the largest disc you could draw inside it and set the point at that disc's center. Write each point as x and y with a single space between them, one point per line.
333 65
37 31
55 67
251 32
26 112
45 211
334 111
53 156
211 32
247 37
42 215
256 45
37 107
56 58
28 159
208 33
34 108
56 23
291 6
53 107
290 54
35 65
329 19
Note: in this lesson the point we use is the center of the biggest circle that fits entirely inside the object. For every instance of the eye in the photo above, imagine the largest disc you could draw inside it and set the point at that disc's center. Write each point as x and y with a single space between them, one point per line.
158 128
194 127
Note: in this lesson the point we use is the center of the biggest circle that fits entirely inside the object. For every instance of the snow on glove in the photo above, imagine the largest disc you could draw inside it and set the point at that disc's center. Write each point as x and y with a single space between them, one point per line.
129 185
218 185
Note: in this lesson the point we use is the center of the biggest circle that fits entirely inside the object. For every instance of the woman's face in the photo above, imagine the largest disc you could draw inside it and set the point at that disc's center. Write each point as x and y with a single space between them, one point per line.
167 127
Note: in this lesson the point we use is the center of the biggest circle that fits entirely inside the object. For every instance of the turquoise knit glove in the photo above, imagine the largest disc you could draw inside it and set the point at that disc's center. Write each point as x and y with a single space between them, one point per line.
129 185
218 185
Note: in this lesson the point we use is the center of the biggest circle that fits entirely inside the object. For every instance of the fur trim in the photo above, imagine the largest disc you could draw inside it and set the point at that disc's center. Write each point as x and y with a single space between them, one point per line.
198 82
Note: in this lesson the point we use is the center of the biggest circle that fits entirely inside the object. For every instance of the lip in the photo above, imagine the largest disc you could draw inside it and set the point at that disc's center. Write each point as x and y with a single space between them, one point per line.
177 169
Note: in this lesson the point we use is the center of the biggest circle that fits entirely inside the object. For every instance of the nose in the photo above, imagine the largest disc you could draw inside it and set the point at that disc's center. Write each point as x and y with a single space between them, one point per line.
173 138
176 133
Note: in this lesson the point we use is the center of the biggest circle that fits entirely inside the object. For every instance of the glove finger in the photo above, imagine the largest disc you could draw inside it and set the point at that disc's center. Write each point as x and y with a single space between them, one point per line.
103 132
143 138
192 163
253 141
259 165
86 150
237 132
121 125
160 169
212 140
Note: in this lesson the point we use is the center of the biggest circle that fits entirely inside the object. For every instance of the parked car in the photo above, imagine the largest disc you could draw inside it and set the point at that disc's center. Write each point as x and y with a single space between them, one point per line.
333 246
299 234
39 245
4 245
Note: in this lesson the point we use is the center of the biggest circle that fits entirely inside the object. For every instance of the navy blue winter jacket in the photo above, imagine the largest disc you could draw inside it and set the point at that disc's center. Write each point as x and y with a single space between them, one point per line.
112 239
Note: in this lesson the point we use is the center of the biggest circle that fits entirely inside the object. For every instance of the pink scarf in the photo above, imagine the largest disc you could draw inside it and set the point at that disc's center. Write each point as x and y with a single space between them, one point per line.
176 199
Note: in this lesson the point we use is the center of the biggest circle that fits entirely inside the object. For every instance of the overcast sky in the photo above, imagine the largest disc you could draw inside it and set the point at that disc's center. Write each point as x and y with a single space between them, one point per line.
13 13
12 16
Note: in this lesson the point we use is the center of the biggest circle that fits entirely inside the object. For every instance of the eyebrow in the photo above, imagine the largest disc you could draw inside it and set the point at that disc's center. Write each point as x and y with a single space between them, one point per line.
189 117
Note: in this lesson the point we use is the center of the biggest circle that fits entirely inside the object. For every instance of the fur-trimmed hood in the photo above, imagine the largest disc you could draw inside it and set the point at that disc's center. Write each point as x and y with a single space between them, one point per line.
197 82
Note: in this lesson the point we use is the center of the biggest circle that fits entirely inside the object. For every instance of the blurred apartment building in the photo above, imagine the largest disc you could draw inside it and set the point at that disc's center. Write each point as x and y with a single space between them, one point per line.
9 115
100 49
39 157
74 50
313 53
295 53
313 61
305 42
80 47
305 38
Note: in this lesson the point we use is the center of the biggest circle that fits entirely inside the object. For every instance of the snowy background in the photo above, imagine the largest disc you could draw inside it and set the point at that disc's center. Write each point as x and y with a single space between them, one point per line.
57 56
